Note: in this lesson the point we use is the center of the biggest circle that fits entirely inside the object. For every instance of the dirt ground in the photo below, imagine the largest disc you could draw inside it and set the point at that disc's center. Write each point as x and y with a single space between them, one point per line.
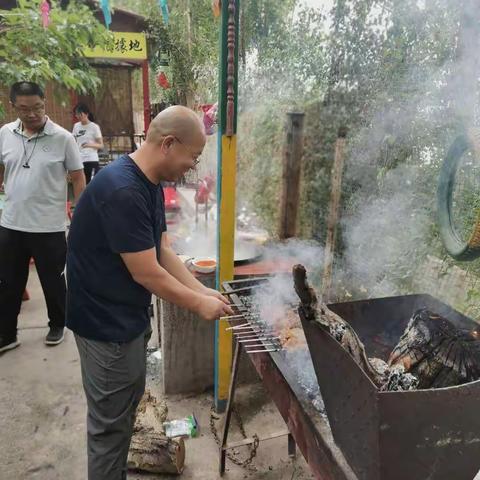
42 415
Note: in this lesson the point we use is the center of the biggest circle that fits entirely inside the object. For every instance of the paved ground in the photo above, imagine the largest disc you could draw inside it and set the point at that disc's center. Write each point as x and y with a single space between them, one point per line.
42 415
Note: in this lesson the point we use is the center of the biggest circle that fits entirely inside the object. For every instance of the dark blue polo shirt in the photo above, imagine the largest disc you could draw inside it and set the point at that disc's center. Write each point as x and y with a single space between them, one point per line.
120 211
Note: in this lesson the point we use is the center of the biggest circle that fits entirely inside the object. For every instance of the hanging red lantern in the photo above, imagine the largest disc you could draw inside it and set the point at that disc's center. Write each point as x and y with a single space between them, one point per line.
162 80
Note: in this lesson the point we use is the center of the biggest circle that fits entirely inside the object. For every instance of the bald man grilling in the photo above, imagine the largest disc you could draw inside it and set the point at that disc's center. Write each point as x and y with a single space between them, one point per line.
118 255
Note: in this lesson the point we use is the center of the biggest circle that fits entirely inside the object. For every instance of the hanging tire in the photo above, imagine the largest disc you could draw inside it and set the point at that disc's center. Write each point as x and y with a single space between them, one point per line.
459 249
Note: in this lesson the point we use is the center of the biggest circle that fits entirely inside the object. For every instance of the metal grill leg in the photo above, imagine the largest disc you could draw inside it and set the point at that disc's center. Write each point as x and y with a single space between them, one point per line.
228 413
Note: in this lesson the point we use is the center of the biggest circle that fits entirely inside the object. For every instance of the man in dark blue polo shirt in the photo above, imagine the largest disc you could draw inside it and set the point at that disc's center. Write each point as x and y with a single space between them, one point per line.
118 255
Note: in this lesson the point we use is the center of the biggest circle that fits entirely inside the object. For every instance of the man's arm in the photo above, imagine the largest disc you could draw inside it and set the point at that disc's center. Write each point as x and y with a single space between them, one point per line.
2 172
175 267
78 182
146 271
74 166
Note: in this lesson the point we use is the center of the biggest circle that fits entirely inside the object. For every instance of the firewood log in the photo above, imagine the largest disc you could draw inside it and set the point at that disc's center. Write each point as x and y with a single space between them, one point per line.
150 450
153 452
384 376
316 311
437 352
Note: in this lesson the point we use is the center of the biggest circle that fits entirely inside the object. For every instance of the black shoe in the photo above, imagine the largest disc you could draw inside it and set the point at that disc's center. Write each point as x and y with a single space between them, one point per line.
8 344
55 336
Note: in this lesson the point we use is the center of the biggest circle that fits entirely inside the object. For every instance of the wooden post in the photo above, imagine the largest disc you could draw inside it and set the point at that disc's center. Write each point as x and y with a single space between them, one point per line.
335 196
146 96
227 153
292 166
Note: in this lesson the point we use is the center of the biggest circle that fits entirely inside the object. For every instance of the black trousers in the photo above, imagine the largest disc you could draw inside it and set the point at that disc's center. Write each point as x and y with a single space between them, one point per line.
89 168
48 251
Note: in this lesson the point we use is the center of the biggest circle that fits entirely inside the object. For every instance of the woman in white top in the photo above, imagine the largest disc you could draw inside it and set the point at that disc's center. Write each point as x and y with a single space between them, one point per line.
89 140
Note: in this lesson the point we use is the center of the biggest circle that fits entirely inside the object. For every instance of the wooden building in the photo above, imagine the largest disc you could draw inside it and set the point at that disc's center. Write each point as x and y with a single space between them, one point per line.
121 104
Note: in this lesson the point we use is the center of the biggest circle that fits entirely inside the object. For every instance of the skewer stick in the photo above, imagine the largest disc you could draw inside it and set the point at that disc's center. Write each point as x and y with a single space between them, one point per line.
239 327
232 317
258 330
241 290
266 345
262 339
263 351
246 335
247 326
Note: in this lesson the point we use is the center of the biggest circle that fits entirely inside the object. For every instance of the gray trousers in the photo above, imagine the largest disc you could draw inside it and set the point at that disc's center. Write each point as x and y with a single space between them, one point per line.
113 376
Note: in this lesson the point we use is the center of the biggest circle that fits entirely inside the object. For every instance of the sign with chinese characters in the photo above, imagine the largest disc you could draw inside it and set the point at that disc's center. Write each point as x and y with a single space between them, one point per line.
125 45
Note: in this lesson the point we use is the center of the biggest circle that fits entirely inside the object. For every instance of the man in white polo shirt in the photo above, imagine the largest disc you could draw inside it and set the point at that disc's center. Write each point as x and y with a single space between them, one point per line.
35 156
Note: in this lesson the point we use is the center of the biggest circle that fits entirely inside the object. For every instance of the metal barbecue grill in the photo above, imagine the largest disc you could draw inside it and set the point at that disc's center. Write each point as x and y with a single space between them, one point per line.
416 435
307 427
254 335
369 435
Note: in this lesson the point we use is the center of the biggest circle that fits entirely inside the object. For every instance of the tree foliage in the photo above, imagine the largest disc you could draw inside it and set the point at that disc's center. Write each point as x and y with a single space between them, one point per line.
31 52
187 49
402 77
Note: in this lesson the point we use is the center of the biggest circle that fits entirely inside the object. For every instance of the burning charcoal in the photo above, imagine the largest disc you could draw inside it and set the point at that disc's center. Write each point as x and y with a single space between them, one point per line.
393 378
338 331
399 380
381 367
436 352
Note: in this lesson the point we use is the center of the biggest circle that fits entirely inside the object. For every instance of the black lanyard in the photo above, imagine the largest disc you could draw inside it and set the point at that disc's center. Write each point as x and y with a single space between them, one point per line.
26 157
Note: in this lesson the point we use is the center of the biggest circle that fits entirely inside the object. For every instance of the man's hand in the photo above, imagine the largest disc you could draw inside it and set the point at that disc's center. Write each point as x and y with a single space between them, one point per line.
210 292
211 308
97 145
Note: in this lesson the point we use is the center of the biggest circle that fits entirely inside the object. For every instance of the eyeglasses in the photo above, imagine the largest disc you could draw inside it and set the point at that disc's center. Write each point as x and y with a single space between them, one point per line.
196 159
25 110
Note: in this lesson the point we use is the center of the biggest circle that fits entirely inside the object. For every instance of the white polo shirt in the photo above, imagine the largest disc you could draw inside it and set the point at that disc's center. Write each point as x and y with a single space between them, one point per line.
35 197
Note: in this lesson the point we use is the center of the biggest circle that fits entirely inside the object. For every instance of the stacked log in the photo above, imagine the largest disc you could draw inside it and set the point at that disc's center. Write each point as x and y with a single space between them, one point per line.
150 450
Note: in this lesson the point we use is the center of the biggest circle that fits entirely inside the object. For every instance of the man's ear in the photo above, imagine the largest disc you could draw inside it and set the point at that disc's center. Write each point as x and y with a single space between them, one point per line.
168 141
